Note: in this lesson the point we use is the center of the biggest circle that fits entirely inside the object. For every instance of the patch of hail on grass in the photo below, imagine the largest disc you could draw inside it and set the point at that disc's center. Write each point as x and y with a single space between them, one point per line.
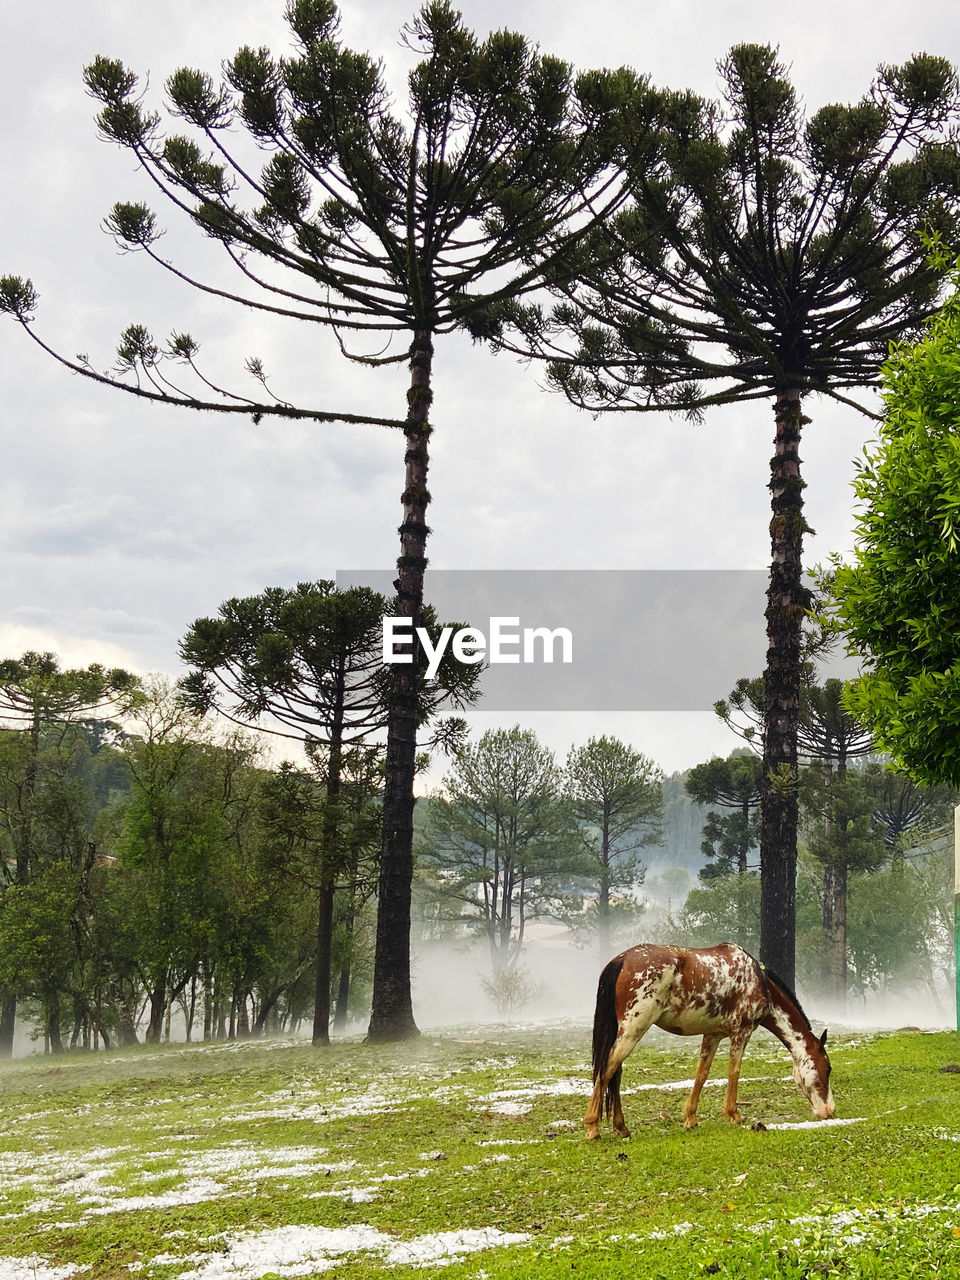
255 1163
10 1160
678 1229
36 1268
194 1192
451 1244
300 1251
285 1106
854 1226
499 1157
509 1142
507 1108
20 1168
579 1087
818 1124
362 1195
204 1175
356 1195
717 1081
543 1089
192 1049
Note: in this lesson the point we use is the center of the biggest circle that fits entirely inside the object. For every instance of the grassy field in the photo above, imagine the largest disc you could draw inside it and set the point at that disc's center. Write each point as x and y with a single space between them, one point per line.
268 1159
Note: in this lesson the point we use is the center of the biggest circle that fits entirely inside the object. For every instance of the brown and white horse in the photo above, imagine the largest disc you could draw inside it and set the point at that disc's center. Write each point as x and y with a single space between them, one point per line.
712 992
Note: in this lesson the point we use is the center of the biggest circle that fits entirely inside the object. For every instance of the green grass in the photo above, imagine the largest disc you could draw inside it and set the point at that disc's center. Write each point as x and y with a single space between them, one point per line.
173 1161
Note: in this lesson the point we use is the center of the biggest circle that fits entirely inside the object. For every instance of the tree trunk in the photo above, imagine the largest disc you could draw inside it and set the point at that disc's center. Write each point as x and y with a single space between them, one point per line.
8 1019
840 935
321 1009
80 1025
786 602
207 1000
126 1021
191 1010
839 912
219 1006
53 1023
826 968
744 845
262 1022
158 1007
343 989
391 1016
603 898
343 999
328 875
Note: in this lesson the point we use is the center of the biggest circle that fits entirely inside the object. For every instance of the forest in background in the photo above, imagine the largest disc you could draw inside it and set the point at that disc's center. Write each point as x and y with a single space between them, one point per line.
161 876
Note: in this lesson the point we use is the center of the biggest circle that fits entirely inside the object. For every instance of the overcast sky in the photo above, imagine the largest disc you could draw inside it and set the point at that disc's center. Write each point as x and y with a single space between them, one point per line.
121 522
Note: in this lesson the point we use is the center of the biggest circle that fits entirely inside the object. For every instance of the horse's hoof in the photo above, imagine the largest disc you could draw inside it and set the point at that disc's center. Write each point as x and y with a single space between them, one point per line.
736 1118
593 1134
691 1123
621 1131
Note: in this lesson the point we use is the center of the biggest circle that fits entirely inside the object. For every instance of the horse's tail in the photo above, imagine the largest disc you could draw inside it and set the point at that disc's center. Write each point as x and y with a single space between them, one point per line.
605 1026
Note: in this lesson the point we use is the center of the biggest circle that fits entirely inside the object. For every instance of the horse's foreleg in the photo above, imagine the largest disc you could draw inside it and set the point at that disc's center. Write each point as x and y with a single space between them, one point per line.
708 1047
738 1043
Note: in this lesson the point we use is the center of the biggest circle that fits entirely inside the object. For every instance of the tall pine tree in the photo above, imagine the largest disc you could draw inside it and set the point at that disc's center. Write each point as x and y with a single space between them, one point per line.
370 220
764 255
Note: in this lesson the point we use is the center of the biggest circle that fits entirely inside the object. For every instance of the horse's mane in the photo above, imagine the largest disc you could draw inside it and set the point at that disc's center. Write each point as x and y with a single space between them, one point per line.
769 974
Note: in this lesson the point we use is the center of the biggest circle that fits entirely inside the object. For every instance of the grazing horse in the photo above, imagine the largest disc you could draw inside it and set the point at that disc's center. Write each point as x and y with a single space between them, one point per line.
712 992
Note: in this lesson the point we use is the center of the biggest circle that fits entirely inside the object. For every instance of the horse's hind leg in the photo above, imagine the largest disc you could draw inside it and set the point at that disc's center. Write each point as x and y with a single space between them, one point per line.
616 1109
633 1027
708 1047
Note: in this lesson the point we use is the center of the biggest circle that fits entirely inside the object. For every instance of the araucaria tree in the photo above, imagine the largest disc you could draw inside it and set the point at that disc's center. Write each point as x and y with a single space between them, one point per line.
732 784
306 663
373 222
830 737
766 255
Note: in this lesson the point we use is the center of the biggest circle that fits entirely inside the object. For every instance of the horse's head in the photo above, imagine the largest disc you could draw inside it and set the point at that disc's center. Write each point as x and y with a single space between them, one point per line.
812 1075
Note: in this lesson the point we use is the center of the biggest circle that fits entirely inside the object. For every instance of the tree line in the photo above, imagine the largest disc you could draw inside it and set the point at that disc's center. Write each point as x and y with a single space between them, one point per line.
653 249
151 862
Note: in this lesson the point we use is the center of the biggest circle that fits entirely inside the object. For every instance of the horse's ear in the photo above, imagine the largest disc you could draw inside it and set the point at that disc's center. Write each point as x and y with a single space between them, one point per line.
823 1038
